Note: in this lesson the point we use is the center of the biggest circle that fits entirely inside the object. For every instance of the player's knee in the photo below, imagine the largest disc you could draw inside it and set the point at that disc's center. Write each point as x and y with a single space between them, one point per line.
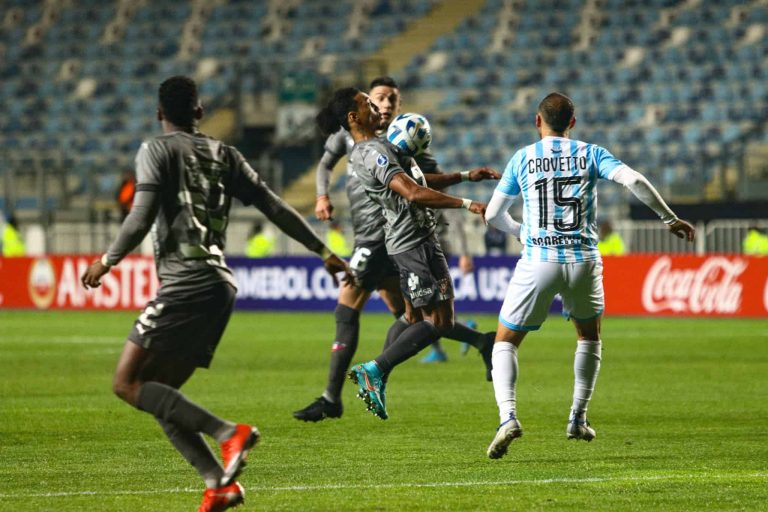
347 315
444 325
125 390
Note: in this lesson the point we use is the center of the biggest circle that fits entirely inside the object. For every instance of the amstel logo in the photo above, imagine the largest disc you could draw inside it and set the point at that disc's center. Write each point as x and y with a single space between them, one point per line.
42 283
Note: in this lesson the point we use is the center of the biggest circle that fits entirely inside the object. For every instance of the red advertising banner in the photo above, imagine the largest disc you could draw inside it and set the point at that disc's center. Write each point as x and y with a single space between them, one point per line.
53 282
662 285
714 285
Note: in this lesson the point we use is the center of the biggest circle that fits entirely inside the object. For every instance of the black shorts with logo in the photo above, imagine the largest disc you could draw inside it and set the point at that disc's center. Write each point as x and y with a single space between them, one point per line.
187 325
424 275
370 264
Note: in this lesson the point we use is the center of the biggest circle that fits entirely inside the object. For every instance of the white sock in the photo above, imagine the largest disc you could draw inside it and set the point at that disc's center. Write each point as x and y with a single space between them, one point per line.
504 374
586 366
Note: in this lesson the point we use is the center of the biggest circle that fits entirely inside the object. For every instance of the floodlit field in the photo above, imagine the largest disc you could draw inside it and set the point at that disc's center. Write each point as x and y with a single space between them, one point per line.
681 412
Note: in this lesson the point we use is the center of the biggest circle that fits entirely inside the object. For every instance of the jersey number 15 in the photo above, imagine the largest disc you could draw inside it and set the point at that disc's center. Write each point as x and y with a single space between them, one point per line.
559 184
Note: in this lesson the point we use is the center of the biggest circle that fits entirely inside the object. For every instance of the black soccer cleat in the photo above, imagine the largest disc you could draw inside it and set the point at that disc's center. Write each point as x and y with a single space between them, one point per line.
319 410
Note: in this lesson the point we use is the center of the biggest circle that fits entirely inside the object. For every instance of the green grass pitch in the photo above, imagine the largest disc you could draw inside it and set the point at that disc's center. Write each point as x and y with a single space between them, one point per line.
681 412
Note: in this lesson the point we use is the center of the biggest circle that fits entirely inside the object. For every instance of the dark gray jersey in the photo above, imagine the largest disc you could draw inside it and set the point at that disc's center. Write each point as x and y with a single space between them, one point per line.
194 178
375 162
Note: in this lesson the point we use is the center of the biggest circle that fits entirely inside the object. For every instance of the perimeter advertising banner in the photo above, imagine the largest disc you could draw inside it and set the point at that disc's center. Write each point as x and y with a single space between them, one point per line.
715 285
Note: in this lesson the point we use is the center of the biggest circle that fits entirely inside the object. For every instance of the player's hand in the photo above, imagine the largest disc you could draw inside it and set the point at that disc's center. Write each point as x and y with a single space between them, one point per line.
682 229
466 265
91 278
323 208
483 173
334 265
478 208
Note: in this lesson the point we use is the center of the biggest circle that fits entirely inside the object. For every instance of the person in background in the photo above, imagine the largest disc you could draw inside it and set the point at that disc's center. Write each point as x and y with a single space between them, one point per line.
755 243
260 244
495 242
336 241
13 245
610 243
124 195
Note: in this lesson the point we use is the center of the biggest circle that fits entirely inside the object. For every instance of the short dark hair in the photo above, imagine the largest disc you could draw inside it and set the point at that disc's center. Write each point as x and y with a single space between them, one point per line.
557 111
386 81
334 114
178 100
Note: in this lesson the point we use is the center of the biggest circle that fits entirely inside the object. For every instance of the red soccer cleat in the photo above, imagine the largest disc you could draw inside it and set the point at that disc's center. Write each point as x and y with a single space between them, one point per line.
222 498
235 450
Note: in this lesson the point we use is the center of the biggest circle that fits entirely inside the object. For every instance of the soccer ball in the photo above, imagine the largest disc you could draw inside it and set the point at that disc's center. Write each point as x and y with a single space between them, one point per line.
410 133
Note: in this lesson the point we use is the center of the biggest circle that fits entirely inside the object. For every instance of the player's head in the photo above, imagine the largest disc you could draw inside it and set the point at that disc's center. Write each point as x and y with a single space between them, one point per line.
179 104
385 93
351 109
556 111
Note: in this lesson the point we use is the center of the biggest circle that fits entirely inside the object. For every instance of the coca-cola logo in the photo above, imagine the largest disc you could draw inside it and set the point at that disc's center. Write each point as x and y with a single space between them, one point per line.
711 288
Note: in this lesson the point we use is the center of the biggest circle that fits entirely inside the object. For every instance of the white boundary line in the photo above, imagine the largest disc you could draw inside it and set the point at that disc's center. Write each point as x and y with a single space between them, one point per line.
329 487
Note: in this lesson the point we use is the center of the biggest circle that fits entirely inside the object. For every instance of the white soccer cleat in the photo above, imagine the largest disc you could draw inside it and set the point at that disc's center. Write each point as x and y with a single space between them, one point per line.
579 428
505 434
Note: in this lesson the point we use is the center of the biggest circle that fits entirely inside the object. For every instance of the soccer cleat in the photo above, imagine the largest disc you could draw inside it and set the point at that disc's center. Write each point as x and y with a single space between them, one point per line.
579 428
235 450
435 356
222 498
505 434
319 410
487 353
367 376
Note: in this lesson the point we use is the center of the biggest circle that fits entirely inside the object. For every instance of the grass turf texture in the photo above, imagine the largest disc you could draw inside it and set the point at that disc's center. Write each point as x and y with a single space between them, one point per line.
681 412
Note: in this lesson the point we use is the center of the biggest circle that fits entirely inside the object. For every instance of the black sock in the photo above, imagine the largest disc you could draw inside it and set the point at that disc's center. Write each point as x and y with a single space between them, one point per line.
408 344
168 404
196 451
344 347
461 332
395 330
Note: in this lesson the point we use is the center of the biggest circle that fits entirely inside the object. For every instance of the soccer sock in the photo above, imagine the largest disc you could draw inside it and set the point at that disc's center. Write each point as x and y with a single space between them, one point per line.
395 330
344 347
168 404
412 340
586 366
504 374
462 332
196 451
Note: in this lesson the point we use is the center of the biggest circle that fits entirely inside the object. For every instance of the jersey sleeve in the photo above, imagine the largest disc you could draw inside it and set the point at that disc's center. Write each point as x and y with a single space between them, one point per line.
607 164
336 144
383 164
427 163
508 184
149 165
246 184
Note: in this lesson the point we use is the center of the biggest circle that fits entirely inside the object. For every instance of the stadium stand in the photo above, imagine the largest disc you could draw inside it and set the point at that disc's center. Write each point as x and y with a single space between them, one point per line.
676 88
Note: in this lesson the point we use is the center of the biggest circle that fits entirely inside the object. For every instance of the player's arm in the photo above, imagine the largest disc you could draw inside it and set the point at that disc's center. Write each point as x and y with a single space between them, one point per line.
403 185
335 149
497 213
440 181
150 159
251 190
647 193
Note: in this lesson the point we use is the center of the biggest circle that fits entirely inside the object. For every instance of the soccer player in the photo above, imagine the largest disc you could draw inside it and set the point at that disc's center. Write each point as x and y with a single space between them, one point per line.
370 263
557 178
396 184
185 185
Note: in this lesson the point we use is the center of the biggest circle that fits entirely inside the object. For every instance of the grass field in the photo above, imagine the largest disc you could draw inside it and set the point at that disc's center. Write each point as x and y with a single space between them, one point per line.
681 411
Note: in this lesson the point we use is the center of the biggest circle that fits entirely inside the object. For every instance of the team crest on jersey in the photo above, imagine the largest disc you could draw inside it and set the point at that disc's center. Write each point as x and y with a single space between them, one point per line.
382 160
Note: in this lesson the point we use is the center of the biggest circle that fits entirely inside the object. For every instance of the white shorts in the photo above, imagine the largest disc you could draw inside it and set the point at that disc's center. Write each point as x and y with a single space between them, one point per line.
535 283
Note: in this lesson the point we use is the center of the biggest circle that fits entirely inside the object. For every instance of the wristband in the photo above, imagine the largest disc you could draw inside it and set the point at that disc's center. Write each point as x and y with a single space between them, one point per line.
466 203
671 220
104 261
464 175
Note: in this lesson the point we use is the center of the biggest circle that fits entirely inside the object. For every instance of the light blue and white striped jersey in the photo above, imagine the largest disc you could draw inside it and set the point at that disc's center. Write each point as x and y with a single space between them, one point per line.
557 178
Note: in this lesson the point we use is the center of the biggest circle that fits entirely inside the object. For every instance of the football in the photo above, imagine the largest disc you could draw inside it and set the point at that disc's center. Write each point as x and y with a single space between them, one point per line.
410 133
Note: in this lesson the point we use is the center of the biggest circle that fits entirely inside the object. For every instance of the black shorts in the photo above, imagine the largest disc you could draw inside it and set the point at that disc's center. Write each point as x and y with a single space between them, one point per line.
186 325
424 275
370 264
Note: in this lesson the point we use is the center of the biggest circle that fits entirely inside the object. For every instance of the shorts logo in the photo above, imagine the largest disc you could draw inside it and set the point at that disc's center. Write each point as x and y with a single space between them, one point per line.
414 287
413 281
382 160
